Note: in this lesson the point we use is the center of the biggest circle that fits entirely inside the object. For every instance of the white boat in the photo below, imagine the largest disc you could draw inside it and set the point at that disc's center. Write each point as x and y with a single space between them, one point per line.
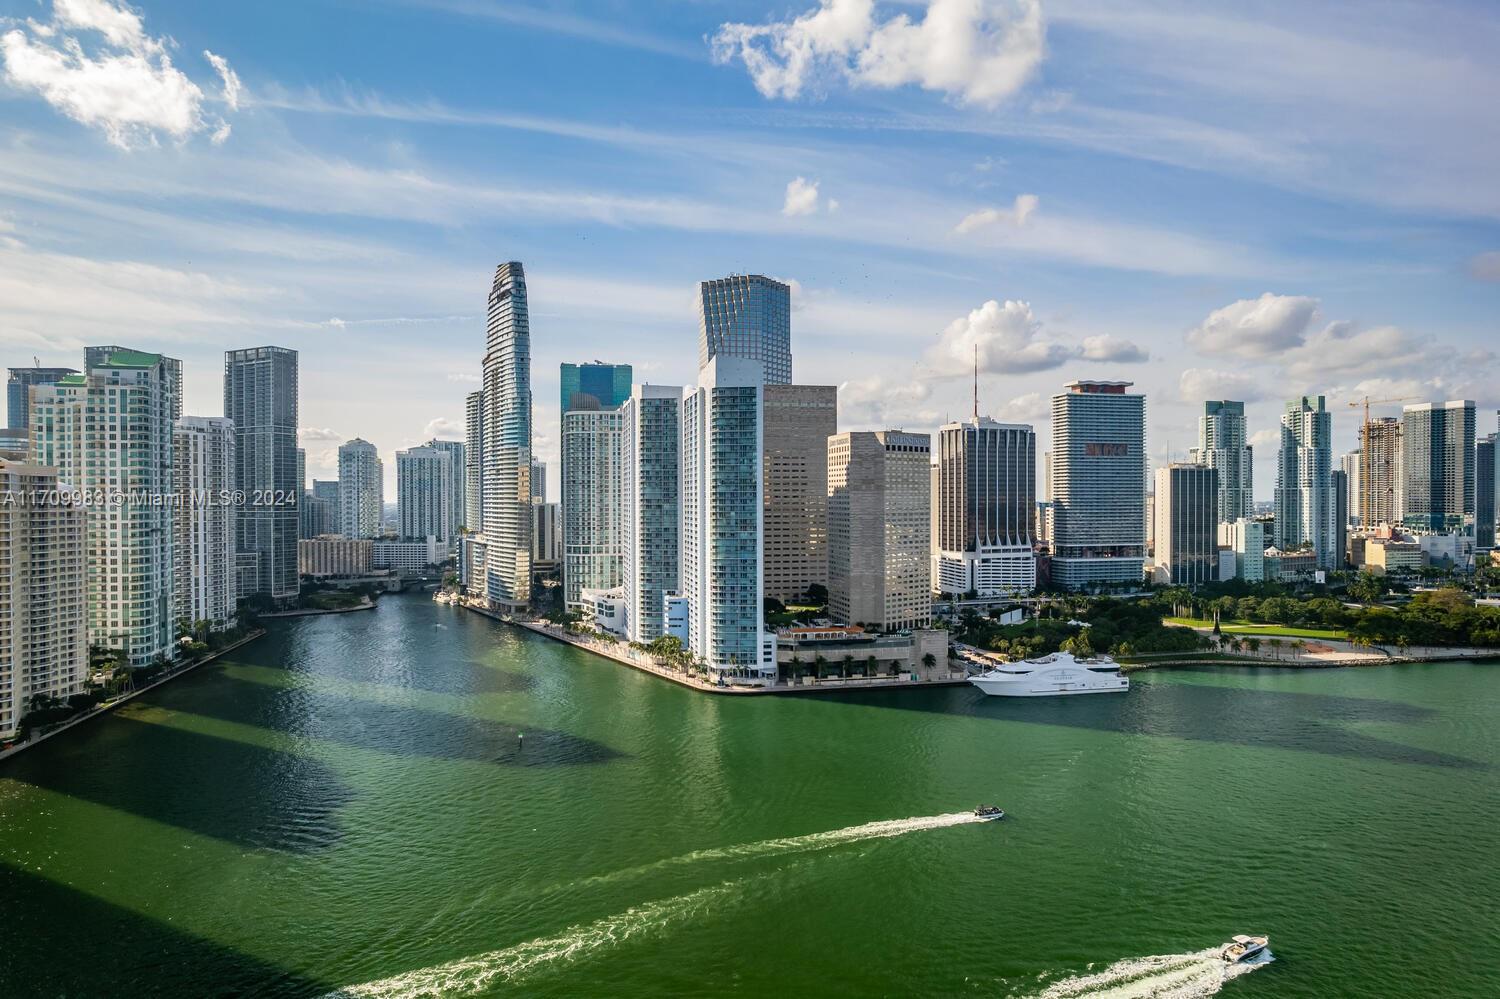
1242 948
1053 676
989 813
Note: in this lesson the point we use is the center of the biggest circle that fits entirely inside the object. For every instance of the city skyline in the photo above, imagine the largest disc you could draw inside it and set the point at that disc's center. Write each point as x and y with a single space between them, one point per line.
1202 251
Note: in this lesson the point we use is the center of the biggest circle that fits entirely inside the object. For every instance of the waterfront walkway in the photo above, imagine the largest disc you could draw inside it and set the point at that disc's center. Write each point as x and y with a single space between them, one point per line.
622 653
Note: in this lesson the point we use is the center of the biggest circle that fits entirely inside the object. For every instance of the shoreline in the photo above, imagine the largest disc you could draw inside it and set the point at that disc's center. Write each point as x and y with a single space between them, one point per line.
109 706
646 665
314 611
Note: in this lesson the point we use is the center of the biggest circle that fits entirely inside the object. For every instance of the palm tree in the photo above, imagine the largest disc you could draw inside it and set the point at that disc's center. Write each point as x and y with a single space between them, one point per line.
1276 647
1298 647
818 665
929 660
870 666
797 666
1253 643
846 666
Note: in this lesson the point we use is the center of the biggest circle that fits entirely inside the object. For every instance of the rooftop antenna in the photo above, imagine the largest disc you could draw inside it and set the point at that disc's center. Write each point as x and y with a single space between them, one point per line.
976 381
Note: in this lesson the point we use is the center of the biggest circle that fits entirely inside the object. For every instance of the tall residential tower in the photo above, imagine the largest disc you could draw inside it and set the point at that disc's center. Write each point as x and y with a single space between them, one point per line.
260 398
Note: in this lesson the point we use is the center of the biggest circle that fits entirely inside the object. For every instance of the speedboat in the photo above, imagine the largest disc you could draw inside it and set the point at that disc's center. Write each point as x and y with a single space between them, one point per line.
989 812
1242 948
1053 676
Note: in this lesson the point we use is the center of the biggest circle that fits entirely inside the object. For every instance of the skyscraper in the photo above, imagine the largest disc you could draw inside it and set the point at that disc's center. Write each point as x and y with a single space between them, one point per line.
1099 485
43 591
425 494
1222 446
506 543
1349 463
1381 476
798 420
260 397
361 489
650 504
1187 519
204 520
879 562
110 432
94 357
721 522
1340 518
594 386
986 504
538 481
1438 461
749 316
458 460
474 463
593 550
18 392
1306 505
1484 491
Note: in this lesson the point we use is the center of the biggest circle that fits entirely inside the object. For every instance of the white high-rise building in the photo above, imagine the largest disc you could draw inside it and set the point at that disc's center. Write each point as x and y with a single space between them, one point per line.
1222 446
502 553
110 432
650 505
205 520
593 549
458 461
474 462
43 590
426 494
361 489
1099 485
879 561
1187 519
1307 506
1247 539
722 529
986 504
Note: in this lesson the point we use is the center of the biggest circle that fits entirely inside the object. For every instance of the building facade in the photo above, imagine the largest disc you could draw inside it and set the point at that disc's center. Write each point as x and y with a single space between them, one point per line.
474 408
593 386
722 526
1381 474
593 548
426 494
1484 491
651 505
1438 461
506 544
879 560
458 469
260 397
361 489
748 316
1187 519
43 591
798 421
1223 446
335 555
204 520
1306 503
409 556
986 507
110 432
546 535
1099 485
1247 539
18 392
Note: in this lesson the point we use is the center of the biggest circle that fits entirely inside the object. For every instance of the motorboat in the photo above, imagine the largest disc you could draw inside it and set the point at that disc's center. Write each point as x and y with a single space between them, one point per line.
989 812
1242 948
1053 676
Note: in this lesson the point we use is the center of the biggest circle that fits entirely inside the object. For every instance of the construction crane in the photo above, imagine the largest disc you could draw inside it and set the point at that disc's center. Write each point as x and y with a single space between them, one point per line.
1366 480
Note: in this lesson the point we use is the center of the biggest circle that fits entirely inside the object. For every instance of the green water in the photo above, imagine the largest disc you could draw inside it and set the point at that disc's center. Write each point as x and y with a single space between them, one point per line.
347 803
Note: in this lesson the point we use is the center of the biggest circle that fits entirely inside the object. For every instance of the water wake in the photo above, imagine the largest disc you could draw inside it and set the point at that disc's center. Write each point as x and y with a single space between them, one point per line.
1162 976
475 975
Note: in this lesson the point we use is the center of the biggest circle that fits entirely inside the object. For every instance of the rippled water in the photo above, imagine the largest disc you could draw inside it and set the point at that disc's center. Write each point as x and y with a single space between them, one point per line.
416 801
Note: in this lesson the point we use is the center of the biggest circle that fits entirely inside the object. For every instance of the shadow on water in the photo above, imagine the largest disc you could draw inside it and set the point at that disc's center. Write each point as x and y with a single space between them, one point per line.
459 677
1314 723
239 793
401 730
58 939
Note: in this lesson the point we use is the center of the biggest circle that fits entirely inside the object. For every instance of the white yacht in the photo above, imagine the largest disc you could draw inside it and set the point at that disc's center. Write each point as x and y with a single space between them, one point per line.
1053 676
1242 948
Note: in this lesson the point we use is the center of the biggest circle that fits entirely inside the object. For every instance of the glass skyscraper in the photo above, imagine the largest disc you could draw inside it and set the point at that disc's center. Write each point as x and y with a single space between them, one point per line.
1437 449
594 386
260 396
986 505
749 316
506 484
650 502
18 392
1307 507
1098 485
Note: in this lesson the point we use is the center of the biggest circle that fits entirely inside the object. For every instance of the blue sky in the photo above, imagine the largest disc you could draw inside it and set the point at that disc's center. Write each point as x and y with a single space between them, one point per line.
1241 201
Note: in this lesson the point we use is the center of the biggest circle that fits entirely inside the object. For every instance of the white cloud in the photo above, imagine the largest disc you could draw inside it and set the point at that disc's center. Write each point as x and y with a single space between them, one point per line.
443 428
801 197
122 82
1016 215
1343 348
1268 439
1108 347
465 376
1486 266
879 402
1033 407
231 79
308 434
1008 339
1255 328
1199 384
978 51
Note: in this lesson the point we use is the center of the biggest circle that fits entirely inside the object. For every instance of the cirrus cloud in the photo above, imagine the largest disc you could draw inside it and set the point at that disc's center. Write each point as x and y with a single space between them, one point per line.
978 51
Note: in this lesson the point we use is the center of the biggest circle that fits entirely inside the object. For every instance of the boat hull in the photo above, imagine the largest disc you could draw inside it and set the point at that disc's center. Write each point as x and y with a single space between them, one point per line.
1043 687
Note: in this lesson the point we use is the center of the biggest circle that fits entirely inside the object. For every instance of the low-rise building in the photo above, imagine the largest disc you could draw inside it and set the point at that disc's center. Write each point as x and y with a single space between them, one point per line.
335 555
1247 539
408 558
1290 567
1392 555
605 609
836 644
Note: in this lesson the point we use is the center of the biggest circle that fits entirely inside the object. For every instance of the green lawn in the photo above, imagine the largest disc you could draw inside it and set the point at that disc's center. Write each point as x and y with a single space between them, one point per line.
1260 630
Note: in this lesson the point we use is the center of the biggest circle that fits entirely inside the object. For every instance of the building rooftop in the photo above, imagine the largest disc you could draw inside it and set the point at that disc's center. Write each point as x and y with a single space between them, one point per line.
1101 388
132 359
